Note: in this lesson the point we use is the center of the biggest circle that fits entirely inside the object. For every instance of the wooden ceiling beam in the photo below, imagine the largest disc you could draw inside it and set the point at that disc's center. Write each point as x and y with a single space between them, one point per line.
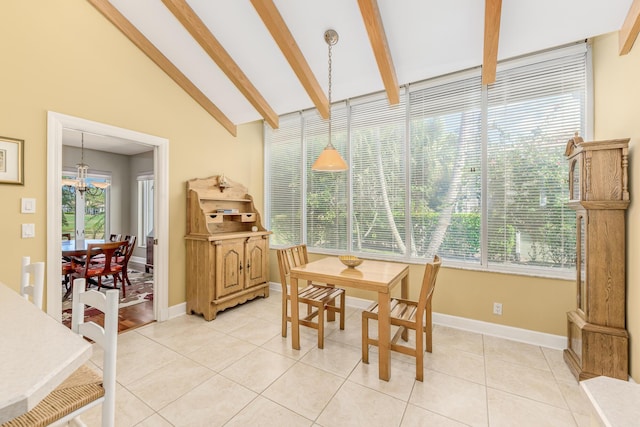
378 39
199 31
492 11
274 22
630 28
138 39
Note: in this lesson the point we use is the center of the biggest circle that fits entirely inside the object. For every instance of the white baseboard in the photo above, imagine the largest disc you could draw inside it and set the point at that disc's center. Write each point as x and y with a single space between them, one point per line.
138 260
177 310
508 332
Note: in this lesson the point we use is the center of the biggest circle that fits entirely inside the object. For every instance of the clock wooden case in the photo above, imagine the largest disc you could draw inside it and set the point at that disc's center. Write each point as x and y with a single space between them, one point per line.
227 248
597 341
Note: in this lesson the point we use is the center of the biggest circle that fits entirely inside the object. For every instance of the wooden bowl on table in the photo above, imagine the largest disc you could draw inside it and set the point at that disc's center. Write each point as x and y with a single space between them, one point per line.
350 261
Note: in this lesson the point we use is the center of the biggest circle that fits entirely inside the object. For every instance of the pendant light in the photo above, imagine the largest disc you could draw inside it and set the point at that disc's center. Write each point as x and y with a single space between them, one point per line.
80 183
83 170
330 160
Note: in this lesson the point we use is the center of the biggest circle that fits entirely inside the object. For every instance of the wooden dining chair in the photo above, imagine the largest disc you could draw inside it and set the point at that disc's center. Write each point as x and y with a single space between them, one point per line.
99 262
319 298
124 257
32 281
407 314
85 388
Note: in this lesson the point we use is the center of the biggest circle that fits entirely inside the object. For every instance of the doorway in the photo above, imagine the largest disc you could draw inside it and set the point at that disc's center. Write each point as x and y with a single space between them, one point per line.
56 125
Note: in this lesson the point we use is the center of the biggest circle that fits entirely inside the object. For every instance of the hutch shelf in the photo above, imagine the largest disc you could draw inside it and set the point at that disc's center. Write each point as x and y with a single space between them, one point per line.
226 247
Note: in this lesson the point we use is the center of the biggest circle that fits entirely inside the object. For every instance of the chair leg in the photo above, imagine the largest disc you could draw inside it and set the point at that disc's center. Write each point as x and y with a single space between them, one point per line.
419 354
365 339
321 326
429 328
285 315
342 311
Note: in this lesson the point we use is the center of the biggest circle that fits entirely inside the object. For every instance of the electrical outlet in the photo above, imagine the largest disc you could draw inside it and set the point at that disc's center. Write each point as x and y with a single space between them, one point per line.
497 308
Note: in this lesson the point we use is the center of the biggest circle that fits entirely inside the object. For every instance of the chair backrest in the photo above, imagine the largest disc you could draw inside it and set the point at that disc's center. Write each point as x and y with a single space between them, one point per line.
129 249
32 281
101 269
106 337
66 236
292 256
428 282
115 237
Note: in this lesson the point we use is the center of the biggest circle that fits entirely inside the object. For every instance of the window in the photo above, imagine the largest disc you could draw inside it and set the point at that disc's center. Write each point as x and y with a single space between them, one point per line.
474 173
90 220
145 208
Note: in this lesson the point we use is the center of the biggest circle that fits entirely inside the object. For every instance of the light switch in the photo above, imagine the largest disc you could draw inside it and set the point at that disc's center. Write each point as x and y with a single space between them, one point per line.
28 205
28 231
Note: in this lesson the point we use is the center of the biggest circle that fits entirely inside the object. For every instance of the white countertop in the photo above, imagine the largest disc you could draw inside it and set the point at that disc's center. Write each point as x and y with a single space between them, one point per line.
36 354
616 402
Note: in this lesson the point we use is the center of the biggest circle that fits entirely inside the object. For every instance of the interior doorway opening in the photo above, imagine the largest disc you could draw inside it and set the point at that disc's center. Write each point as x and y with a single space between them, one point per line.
56 126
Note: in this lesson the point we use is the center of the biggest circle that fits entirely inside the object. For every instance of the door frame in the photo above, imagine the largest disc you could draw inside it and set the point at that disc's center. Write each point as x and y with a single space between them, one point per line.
56 122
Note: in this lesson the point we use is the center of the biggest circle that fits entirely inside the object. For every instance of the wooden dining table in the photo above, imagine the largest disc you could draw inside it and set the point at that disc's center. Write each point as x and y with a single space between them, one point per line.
378 276
77 247
37 354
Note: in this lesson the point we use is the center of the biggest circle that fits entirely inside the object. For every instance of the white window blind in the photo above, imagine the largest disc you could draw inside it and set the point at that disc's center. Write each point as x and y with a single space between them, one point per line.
446 170
378 171
533 110
285 183
326 204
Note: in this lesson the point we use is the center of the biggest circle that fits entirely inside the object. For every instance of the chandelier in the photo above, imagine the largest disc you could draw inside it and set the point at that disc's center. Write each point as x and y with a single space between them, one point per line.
330 160
81 183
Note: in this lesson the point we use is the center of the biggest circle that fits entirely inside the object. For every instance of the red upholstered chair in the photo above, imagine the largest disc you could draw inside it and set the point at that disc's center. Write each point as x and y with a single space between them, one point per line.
106 266
124 256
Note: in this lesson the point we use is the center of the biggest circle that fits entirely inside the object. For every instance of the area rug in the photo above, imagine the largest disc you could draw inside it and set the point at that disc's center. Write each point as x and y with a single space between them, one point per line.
141 290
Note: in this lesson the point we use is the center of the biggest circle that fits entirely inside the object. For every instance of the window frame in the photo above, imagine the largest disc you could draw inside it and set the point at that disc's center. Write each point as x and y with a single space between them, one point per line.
145 187
484 264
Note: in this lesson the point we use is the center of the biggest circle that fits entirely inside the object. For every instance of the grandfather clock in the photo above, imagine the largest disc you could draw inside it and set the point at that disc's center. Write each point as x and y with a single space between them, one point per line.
597 340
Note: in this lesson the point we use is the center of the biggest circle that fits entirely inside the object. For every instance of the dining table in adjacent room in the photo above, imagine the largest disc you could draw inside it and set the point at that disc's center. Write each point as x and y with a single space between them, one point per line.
37 354
77 247
378 276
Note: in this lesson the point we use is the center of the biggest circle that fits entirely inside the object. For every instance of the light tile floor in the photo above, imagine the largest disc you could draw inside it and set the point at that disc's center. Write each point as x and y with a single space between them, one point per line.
238 371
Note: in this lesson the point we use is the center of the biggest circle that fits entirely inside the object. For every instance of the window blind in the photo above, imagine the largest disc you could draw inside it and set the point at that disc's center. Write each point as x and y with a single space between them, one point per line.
326 204
378 170
473 173
285 181
533 110
445 144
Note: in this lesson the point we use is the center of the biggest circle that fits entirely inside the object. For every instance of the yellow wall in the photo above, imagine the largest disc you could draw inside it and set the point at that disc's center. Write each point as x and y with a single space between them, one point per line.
617 115
64 56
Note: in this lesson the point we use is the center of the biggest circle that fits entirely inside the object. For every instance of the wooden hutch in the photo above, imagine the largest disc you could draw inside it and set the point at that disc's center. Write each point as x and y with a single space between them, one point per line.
597 339
227 247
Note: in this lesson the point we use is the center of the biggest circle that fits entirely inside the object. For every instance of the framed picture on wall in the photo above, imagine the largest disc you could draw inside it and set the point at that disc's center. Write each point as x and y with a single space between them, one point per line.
11 161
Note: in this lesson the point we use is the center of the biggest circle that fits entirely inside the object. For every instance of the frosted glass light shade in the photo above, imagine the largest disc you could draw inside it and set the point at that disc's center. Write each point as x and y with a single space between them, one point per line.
330 161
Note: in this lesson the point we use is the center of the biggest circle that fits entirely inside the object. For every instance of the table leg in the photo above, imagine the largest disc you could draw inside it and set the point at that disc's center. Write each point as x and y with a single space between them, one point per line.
384 336
295 315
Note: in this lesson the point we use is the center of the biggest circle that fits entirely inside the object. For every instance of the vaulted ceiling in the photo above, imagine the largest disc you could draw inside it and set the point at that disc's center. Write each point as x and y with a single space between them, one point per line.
247 60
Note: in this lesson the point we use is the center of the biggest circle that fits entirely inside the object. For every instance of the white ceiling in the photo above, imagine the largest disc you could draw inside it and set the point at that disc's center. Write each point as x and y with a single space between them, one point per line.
425 38
110 144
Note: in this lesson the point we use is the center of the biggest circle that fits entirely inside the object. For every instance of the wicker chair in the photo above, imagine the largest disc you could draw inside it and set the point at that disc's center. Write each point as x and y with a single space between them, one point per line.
85 388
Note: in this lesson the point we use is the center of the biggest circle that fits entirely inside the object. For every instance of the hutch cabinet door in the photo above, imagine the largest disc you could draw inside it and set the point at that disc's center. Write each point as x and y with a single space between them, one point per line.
257 256
230 262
